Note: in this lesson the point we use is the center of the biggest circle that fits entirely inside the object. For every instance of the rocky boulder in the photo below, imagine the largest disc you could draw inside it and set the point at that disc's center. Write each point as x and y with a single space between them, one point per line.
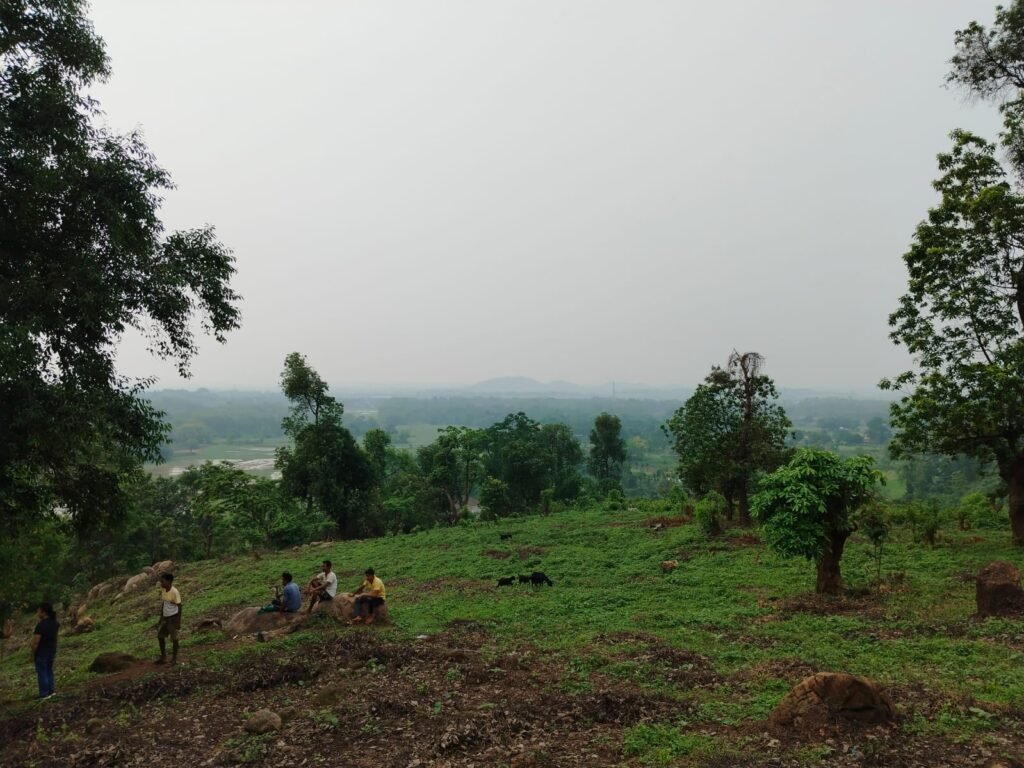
249 621
998 590
263 721
115 661
342 608
830 696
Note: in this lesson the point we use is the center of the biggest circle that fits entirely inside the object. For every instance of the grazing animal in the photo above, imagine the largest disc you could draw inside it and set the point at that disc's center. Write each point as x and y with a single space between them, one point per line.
537 578
505 536
524 579
669 565
508 581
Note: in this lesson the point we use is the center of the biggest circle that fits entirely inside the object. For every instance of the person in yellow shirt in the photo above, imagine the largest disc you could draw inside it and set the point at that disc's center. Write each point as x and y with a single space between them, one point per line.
369 595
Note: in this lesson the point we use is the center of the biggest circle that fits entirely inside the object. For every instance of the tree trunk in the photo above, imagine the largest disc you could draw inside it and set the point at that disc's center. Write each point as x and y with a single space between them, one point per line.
453 508
830 580
1013 475
743 501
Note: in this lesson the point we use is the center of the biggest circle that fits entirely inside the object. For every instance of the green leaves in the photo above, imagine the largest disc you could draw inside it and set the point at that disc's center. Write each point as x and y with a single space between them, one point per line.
805 503
83 257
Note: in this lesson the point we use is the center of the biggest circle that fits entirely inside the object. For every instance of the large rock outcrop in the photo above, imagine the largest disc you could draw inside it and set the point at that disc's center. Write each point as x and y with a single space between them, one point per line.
249 621
828 697
998 590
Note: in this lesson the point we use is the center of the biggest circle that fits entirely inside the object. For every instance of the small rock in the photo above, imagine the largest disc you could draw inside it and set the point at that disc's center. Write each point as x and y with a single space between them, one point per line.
263 721
94 725
114 661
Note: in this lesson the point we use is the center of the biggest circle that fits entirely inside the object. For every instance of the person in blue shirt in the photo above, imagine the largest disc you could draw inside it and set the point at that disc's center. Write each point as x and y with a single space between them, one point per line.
44 648
289 600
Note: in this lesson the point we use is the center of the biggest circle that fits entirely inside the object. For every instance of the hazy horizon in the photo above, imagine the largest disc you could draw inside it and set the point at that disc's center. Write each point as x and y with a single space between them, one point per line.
420 194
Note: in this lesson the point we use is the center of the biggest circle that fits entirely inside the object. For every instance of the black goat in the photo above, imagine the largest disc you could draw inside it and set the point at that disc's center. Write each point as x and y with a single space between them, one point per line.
524 579
505 536
508 581
537 578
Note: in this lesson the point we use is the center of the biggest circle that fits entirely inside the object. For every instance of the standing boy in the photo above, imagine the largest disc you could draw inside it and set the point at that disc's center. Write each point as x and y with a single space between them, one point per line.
170 618
44 648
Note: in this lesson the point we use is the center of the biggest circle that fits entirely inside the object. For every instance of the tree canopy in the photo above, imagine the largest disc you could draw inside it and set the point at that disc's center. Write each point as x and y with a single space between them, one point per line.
324 465
607 451
729 430
83 259
962 319
807 506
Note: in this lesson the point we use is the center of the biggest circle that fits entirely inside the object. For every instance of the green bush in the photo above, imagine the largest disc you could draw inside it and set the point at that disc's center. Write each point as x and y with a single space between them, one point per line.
708 513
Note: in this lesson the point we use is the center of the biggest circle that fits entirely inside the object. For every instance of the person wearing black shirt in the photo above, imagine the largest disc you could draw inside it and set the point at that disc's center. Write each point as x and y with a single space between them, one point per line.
44 648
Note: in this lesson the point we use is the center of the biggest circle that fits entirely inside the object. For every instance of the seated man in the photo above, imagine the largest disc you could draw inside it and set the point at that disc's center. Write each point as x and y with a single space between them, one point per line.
368 596
324 586
288 600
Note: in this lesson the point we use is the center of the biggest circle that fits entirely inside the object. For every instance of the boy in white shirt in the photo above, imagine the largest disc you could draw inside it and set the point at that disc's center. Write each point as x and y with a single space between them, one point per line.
324 586
170 618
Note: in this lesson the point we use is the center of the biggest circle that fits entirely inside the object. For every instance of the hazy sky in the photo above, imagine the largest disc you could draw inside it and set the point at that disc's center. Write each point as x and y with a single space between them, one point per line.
447 191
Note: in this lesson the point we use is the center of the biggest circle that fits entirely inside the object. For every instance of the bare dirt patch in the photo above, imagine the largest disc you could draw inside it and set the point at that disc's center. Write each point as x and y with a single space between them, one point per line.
497 554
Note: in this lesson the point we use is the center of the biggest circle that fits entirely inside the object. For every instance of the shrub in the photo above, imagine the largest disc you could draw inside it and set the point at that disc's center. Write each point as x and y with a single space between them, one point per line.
708 513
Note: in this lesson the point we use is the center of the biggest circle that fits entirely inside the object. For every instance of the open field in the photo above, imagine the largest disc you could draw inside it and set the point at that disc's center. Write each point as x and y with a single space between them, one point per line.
617 664
257 458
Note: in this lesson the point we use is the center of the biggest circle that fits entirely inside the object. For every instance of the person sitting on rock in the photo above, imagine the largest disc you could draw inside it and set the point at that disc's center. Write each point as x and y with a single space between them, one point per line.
369 595
288 600
324 586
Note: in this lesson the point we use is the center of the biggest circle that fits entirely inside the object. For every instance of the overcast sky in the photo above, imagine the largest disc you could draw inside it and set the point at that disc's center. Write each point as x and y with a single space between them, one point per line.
448 191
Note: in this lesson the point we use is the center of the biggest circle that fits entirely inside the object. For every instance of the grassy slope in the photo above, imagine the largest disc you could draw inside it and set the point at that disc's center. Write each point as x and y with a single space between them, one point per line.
731 601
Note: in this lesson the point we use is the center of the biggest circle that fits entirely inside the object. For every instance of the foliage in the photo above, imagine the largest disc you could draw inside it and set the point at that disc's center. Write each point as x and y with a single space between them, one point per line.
807 507
453 464
708 513
607 451
83 258
527 458
977 510
963 315
875 524
730 430
324 466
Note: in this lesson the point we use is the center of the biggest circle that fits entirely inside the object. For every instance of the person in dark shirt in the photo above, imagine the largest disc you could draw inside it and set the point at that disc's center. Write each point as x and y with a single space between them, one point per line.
44 648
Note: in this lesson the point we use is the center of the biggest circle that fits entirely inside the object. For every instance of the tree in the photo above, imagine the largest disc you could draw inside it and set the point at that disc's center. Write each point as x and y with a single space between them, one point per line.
807 508
192 435
324 465
516 458
962 319
564 455
607 451
83 258
878 430
453 464
730 429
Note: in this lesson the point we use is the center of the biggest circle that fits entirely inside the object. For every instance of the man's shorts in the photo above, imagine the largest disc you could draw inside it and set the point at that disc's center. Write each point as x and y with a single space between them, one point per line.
169 626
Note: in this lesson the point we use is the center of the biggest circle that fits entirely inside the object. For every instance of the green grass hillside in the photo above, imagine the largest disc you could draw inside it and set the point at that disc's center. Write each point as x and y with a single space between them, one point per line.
704 653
